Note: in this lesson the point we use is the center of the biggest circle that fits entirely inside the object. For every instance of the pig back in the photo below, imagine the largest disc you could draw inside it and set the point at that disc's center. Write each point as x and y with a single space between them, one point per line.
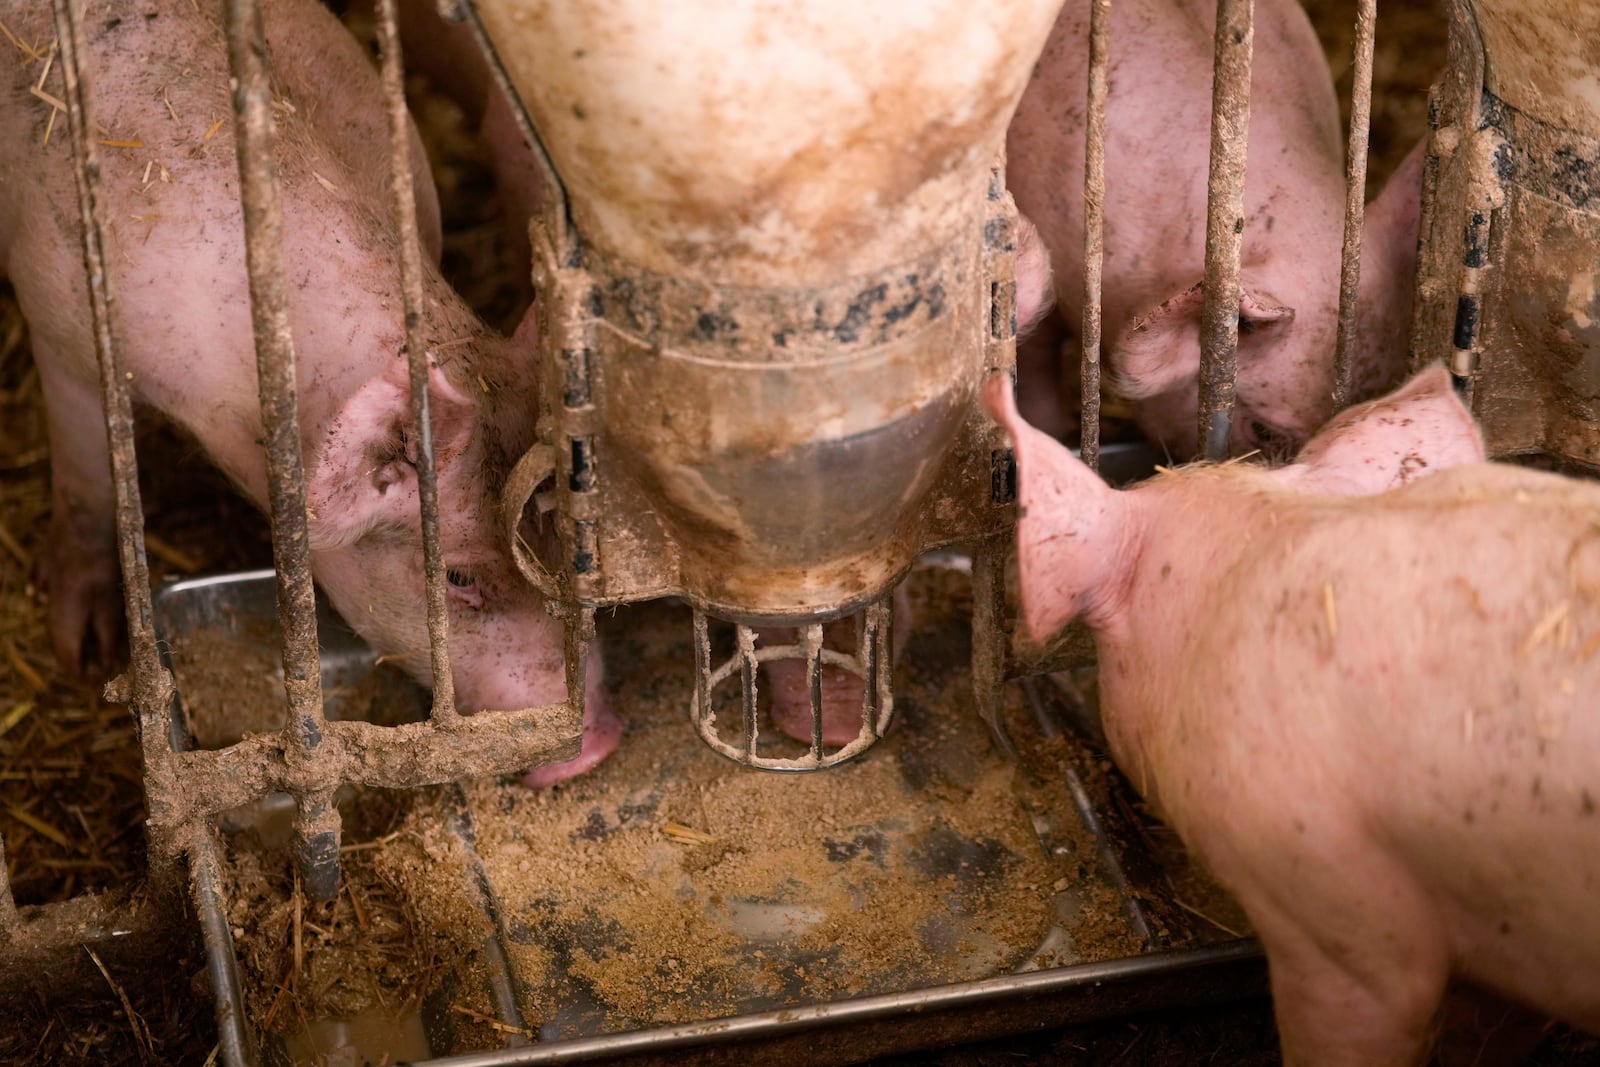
1420 669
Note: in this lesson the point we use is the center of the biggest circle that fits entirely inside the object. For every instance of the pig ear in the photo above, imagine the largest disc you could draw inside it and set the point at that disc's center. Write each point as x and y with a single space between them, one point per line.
1161 350
1064 521
1389 263
364 473
1417 429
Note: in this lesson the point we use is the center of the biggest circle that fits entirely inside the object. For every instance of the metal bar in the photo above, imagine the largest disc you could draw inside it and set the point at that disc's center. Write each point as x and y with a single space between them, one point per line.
560 210
1355 193
989 639
1110 866
702 668
151 691
813 644
1230 126
405 213
500 976
880 672
747 687
386 757
917 1019
1094 231
577 634
233 1036
275 365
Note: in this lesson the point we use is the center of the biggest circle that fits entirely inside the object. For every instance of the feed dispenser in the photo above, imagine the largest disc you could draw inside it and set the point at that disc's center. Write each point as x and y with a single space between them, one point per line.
764 328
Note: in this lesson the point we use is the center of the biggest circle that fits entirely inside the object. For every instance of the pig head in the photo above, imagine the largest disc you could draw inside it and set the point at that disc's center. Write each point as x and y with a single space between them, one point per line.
1157 160
506 650
1078 539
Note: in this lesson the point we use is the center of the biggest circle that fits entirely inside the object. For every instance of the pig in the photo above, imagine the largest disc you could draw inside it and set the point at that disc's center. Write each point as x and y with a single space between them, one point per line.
157 78
1365 692
1157 160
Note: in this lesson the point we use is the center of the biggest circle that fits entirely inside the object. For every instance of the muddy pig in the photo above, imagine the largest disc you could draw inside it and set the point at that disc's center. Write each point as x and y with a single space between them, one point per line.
157 79
1376 718
1157 160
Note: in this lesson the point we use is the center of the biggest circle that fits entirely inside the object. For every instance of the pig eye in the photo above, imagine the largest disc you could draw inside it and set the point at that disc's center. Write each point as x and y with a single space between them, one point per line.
464 587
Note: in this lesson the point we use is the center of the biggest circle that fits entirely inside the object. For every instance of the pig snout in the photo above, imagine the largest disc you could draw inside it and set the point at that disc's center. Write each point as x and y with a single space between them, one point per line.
843 693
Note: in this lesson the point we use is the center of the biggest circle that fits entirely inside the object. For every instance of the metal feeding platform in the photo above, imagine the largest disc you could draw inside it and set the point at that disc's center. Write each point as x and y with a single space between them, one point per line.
672 901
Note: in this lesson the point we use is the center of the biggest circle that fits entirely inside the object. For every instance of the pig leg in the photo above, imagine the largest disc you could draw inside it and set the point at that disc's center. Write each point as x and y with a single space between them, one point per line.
1356 980
79 565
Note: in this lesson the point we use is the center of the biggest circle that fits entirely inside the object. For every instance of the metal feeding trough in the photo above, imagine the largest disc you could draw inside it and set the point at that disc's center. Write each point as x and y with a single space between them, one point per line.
957 895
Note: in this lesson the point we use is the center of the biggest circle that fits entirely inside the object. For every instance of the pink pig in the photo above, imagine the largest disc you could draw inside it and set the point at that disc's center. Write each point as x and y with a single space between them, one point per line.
1376 718
157 75
1157 160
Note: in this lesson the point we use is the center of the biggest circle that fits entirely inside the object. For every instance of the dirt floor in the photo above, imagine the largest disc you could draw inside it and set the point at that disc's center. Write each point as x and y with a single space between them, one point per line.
70 802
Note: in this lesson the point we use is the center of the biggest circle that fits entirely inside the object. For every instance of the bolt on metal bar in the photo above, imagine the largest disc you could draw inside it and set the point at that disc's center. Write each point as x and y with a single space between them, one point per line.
1094 230
275 366
405 212
1355 188
151 692
1230 127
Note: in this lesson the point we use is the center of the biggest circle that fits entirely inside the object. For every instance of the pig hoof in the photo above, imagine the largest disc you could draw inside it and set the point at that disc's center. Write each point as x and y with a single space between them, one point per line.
85 610
602 729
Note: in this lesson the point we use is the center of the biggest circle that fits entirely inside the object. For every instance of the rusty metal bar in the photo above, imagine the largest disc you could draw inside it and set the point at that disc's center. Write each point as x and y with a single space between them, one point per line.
989 638
554 188
747 688
234 1037
879 667
813 643
151 690
405 212
1094 230
1230 127
1355 190
315 821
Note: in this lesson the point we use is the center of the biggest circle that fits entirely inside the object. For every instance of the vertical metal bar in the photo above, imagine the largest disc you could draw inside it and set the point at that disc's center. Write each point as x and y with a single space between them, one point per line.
1230 126
405 212
152 690
989 639
1094 229
269 308
578 634
747 688
233 1036
880 668
813 644
1355 192
552 185
702 667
